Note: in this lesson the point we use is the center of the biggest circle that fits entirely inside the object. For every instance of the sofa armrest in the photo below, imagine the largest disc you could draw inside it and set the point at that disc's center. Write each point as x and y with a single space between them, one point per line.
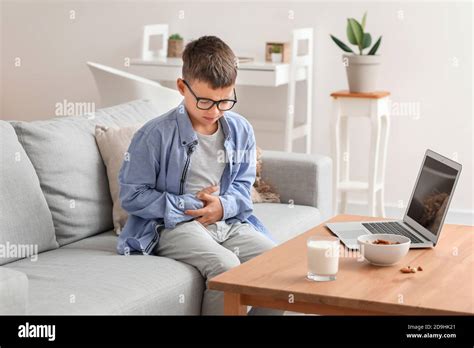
301 178
13 291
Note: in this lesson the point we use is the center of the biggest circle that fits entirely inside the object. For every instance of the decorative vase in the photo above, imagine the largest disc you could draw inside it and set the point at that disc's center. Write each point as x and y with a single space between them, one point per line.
175 48
362 72
277 57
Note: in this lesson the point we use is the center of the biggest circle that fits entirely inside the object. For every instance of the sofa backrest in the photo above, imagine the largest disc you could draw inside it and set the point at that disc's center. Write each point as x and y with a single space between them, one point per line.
70 169
26 224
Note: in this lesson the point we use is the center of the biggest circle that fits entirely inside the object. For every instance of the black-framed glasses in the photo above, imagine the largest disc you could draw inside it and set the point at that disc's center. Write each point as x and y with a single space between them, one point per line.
206 103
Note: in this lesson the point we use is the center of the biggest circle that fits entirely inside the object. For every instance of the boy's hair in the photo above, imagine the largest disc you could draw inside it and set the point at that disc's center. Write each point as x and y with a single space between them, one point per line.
209 59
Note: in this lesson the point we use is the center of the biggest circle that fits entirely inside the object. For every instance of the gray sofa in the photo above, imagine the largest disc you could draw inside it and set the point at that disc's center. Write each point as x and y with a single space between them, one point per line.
55 197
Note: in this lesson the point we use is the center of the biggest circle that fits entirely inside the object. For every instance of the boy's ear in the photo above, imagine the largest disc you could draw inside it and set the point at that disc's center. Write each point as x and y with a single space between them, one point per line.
181 86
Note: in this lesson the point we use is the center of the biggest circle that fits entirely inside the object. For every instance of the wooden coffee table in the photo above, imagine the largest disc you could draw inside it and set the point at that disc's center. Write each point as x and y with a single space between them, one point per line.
277 279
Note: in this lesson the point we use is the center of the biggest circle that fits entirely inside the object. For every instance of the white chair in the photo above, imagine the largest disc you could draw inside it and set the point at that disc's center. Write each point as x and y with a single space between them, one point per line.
116 87
304 61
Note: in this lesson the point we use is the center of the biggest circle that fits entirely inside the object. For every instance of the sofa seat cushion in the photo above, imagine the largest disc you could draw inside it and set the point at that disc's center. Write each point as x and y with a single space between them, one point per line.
26 225
285 221
89 277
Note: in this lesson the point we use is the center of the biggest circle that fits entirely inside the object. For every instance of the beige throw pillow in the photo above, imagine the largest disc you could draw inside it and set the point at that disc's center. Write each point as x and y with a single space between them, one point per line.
262 192
114 142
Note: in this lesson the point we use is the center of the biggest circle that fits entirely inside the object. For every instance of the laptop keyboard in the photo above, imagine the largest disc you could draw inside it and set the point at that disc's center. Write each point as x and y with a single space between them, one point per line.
391 228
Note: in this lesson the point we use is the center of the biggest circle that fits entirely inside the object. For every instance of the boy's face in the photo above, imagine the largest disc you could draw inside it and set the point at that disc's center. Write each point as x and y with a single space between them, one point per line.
203 119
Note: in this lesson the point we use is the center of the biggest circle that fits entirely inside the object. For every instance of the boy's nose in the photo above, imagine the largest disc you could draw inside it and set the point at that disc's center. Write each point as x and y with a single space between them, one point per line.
214 111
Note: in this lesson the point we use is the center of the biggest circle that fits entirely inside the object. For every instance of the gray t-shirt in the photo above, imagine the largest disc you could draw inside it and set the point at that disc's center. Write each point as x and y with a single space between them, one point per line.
207 162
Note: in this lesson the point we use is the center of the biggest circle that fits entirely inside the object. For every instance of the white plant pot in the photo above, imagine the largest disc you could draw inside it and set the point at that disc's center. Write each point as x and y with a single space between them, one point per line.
277 57
362 72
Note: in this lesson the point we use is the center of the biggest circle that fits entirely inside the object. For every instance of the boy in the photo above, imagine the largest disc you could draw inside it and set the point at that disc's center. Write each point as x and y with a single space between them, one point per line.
186 179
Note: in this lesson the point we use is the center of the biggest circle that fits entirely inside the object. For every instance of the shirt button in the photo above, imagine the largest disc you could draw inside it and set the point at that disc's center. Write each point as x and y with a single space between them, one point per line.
181 204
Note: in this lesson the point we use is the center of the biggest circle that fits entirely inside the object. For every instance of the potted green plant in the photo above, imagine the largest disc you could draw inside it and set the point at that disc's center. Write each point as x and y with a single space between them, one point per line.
277 56
175 46
362 69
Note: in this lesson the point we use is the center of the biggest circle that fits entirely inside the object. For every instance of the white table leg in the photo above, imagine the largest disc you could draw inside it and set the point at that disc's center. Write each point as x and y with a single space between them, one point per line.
336 151
379 203
374 157
384 144
345 157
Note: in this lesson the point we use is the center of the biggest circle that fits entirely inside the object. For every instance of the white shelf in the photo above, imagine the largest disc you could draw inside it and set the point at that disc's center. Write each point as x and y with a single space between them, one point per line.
263 74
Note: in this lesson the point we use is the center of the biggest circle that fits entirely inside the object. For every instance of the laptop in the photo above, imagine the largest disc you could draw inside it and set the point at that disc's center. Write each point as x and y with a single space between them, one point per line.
426 210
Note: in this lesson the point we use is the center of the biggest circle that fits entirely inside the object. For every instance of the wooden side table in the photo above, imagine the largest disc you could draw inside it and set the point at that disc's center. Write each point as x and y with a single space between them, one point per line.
375 106
277 279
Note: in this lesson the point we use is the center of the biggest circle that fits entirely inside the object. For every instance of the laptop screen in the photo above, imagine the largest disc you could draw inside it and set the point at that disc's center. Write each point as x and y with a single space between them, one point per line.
431 195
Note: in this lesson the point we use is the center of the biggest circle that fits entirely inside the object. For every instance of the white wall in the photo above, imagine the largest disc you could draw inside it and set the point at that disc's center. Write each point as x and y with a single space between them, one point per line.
426 49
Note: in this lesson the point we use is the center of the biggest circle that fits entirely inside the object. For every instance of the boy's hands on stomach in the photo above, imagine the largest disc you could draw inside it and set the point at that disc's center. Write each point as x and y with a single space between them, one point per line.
212 211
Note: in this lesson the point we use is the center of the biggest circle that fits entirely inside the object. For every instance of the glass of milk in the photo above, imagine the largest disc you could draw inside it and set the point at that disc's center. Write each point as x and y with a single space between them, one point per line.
323 258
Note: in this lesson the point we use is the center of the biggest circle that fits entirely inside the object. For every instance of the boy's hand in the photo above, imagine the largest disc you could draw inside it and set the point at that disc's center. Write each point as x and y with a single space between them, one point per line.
212 211
209 190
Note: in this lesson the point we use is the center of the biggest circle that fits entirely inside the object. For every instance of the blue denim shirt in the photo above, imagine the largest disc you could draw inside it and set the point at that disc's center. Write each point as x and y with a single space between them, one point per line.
153 176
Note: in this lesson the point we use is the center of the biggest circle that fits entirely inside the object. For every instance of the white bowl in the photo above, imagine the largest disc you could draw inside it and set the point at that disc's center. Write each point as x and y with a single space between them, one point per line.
383 254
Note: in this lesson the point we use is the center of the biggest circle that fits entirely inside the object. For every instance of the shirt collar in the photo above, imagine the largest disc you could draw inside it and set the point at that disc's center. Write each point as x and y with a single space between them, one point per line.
186 131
